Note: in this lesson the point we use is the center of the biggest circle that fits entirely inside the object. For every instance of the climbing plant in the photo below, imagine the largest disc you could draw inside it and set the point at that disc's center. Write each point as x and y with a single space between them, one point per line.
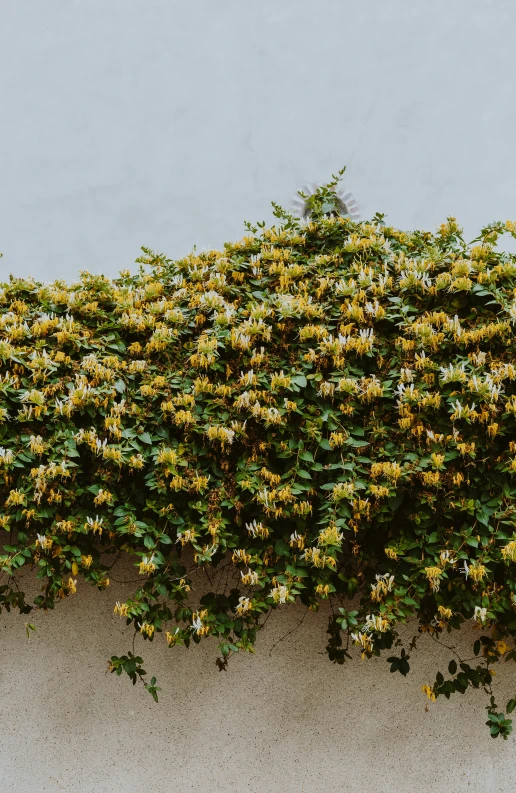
324 410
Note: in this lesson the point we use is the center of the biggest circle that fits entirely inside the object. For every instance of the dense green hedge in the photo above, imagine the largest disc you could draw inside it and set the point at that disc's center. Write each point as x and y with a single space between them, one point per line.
325 408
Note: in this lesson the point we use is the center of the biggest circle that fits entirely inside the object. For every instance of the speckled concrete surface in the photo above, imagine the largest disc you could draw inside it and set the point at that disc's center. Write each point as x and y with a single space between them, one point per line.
282 721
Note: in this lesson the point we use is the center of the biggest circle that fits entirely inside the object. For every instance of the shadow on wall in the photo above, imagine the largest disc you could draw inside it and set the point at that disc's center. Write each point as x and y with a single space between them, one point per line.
284 720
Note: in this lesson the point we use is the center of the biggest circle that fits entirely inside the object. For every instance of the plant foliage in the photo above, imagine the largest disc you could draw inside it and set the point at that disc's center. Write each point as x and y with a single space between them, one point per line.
327 408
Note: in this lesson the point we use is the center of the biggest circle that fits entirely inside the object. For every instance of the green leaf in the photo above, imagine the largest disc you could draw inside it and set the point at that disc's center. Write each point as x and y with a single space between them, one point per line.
282 548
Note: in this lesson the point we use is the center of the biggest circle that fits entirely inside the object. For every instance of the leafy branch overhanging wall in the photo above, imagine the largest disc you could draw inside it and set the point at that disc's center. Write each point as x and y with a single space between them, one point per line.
325 408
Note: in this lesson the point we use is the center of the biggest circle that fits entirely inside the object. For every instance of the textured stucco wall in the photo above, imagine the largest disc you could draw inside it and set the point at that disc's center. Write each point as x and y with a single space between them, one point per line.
167 123
284 720
159 122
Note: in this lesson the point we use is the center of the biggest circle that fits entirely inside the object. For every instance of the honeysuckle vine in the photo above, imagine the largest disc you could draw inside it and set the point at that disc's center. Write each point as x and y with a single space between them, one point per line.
324 410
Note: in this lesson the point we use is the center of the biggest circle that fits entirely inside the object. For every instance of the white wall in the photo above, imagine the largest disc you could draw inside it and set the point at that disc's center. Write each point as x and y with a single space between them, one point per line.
167 123
284 720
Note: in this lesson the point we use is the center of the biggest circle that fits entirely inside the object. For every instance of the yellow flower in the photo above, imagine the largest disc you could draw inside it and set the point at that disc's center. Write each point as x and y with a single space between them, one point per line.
343 490
509 551
121 609
477 571
431 478
391 553
379 491
492 429
167 456
147 628
103 497
111 453
445 613
15 498
136 461
36 444
437 460
172 638
330 536
241 555
434 574
428 690
147 565
502 647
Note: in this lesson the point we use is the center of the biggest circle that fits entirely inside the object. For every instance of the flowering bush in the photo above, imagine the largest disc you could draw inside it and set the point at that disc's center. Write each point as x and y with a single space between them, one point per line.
325 409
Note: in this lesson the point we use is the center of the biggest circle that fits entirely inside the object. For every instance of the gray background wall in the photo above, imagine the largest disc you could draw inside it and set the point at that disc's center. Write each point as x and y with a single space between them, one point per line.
168 123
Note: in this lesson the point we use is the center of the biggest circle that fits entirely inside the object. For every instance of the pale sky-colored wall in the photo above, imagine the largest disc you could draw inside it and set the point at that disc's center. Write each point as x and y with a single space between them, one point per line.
164 123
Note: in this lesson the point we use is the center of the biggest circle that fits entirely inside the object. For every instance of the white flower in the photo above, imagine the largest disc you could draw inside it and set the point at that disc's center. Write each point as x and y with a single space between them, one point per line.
446 558
480 614
452 372
251 528
243 400
100 445
247 378
279 594
250 578
244 604
43 541
512 312
196 624
372 308
263 496
405 391
388 580
6 455
375 623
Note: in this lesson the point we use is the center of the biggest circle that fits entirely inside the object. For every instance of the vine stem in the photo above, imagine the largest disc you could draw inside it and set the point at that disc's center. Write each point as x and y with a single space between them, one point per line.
293 630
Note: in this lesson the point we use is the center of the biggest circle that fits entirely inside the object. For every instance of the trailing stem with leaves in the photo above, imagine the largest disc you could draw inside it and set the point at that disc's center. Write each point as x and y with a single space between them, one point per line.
325 409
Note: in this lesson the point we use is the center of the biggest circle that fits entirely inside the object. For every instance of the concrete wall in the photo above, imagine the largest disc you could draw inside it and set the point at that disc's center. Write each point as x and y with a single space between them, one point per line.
284 720
167 123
